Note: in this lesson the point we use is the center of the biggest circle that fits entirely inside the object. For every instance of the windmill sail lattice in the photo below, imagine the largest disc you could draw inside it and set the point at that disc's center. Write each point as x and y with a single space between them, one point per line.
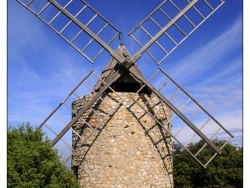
158 35
169 25
77 23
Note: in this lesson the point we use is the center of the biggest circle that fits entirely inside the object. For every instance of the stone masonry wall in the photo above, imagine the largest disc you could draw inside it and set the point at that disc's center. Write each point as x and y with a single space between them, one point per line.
128 149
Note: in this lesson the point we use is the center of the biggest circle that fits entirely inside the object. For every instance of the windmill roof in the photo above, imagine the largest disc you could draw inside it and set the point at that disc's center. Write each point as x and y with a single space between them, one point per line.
127 82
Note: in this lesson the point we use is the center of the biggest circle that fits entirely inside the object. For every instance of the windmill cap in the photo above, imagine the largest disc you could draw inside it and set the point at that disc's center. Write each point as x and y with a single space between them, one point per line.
127 82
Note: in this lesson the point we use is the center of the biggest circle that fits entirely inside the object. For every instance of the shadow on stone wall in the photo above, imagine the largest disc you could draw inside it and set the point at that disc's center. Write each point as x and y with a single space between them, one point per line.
163 144
85 127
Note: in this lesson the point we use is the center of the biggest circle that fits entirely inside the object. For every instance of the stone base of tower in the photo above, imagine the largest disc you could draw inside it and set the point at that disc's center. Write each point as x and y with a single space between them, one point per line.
128 149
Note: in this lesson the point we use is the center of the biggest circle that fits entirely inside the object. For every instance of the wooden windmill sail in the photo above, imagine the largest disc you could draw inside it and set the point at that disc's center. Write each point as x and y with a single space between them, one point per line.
158 35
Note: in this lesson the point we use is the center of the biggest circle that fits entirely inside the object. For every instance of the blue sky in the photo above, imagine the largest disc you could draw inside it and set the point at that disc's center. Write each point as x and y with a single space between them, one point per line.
43 68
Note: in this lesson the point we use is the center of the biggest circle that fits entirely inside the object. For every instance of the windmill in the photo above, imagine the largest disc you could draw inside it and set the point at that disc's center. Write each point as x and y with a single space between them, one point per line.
158 35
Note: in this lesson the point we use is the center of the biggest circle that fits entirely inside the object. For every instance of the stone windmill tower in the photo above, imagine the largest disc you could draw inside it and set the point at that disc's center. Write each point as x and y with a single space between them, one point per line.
123 126
130 149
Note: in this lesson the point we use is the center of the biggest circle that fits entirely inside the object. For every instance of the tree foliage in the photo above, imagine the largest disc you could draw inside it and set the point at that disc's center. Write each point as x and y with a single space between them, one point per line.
225 170
33 163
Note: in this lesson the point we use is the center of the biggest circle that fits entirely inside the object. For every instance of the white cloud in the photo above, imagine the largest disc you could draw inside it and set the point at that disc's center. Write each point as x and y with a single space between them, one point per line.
232 73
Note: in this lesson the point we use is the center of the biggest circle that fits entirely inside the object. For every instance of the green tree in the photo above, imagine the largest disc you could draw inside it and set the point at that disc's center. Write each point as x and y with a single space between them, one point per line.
31 161
225 170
